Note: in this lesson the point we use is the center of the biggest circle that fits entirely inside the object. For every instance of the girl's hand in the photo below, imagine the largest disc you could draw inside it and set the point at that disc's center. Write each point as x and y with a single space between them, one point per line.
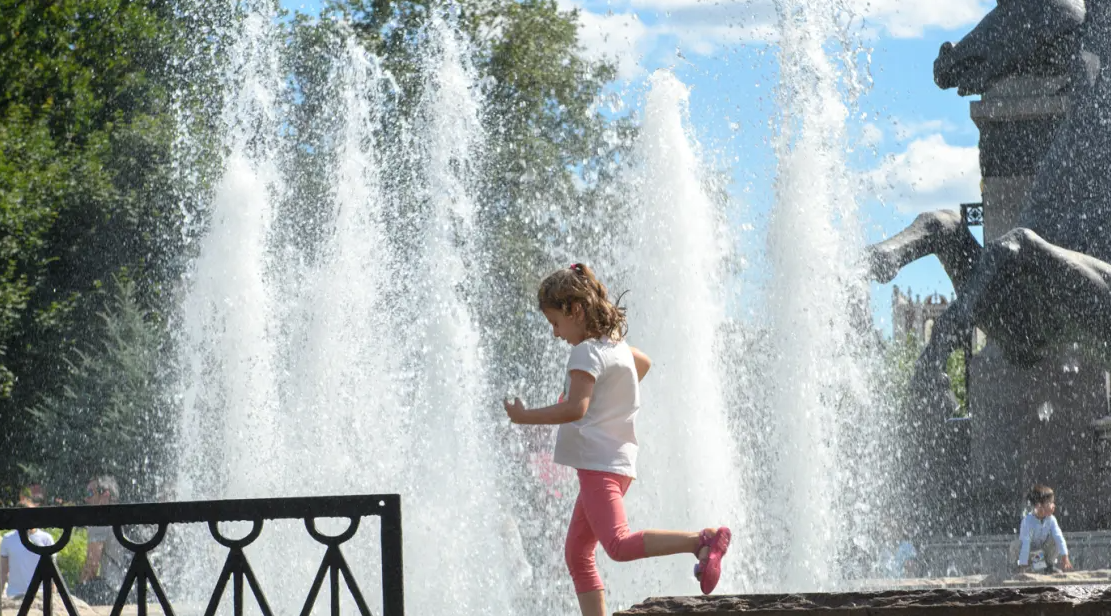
515 410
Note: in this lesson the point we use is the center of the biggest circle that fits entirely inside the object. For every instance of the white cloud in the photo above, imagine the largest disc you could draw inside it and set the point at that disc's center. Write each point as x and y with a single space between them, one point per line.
620 38
911 18
615 30
704 37
671 5
930 174
909 129
703 25
871 135
691 26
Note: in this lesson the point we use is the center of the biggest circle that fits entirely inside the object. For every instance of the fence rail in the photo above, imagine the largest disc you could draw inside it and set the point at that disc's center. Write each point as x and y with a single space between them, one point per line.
237 570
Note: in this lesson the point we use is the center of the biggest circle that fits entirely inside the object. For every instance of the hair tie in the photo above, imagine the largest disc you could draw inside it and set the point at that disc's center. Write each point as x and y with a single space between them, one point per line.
575 266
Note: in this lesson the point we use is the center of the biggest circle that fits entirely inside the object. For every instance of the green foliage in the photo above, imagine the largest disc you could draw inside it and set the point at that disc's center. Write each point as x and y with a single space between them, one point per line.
901 357
72 557
30 173
85 178
549 149
92 213
955 368
111 414
550 143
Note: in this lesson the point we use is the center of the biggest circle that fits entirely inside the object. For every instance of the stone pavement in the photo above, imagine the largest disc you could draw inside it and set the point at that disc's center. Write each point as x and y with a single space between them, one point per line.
9 607
1084 600
1064 594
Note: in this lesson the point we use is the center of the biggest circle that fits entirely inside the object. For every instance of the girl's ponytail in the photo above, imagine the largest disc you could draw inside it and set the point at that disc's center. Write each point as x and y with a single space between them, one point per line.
578 285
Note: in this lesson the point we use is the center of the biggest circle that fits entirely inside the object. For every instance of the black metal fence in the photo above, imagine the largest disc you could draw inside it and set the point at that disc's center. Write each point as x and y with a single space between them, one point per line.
141 575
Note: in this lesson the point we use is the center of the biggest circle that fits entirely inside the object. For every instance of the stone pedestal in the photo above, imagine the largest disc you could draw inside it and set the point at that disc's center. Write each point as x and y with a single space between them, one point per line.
1032 426
1028 425
1102 489
1017 118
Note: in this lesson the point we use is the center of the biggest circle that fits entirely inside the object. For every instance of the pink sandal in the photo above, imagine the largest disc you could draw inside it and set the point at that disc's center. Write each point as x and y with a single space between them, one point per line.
708 572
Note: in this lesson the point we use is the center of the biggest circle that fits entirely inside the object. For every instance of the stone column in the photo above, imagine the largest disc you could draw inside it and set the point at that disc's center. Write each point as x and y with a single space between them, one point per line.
1028 424
1017 118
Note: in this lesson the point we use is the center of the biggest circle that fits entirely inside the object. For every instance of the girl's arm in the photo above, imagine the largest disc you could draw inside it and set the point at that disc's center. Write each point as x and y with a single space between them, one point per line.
573 407
642 362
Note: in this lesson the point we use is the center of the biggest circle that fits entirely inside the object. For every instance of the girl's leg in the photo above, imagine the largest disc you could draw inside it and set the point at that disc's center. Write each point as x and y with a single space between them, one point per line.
579 555
593 603
667 542
602 496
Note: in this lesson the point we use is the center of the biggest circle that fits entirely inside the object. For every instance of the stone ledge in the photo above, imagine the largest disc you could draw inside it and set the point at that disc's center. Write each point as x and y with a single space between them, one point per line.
1018 109
1032 601
1098 577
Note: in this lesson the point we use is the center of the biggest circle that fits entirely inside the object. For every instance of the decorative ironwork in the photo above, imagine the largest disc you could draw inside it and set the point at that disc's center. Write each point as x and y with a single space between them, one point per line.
140 574
972 214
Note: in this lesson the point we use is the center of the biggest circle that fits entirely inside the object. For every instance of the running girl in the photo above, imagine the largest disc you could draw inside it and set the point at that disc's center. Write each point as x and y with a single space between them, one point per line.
596 416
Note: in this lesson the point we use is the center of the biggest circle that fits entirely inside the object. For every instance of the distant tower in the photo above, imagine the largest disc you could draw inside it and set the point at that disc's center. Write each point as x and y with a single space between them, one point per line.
914 316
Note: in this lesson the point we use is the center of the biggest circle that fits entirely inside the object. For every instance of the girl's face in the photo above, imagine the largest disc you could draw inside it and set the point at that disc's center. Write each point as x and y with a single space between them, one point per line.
571 328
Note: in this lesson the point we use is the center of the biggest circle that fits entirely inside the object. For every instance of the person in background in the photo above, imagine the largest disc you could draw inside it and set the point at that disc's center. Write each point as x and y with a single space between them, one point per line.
105 559
17 563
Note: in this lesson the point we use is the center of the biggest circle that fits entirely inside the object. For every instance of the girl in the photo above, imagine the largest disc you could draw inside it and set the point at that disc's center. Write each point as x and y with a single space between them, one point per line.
596 436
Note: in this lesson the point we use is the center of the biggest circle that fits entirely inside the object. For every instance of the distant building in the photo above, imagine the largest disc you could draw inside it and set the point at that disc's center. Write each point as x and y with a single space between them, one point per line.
915 316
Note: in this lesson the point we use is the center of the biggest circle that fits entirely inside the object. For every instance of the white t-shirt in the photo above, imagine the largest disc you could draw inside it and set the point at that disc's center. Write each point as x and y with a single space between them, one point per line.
21 561
1035 532
605 439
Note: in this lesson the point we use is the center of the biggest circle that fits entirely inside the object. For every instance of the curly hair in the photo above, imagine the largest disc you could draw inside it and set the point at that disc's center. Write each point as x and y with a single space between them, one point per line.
564 288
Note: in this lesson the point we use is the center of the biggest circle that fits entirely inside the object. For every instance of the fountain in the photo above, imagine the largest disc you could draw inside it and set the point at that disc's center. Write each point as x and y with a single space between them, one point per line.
357 366
808 257
677 310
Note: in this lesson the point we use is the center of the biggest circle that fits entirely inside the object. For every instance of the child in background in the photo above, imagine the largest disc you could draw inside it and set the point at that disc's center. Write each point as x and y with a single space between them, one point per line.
596 437
1040 543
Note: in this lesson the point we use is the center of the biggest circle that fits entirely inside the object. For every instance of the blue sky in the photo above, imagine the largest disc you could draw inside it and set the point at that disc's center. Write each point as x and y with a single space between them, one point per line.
916 143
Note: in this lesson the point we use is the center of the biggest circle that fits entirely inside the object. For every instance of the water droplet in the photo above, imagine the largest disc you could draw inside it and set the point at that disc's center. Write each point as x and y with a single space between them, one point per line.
1045 411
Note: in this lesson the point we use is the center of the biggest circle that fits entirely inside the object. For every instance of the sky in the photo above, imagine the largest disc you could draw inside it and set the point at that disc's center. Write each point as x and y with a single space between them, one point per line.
914 145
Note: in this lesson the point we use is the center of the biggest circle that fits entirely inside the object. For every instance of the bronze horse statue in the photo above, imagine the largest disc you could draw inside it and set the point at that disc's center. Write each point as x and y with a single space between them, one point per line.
1047 281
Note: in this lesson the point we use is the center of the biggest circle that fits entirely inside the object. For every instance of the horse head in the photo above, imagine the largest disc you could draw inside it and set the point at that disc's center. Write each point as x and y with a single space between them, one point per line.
1008 37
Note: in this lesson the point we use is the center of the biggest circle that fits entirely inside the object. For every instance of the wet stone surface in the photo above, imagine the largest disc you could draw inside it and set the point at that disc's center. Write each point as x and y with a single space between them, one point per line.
1032 600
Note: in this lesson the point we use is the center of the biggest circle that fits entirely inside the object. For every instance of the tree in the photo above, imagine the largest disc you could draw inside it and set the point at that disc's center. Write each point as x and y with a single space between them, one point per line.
901 358
955 368
29 171
548 141
549 149
112 415
85 185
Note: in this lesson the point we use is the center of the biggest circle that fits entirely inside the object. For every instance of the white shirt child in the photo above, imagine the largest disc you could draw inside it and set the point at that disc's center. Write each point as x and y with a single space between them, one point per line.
1034 532
605 438
21 561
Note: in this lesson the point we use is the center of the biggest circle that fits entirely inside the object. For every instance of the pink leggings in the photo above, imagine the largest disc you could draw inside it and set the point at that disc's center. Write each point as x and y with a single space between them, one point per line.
599 517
